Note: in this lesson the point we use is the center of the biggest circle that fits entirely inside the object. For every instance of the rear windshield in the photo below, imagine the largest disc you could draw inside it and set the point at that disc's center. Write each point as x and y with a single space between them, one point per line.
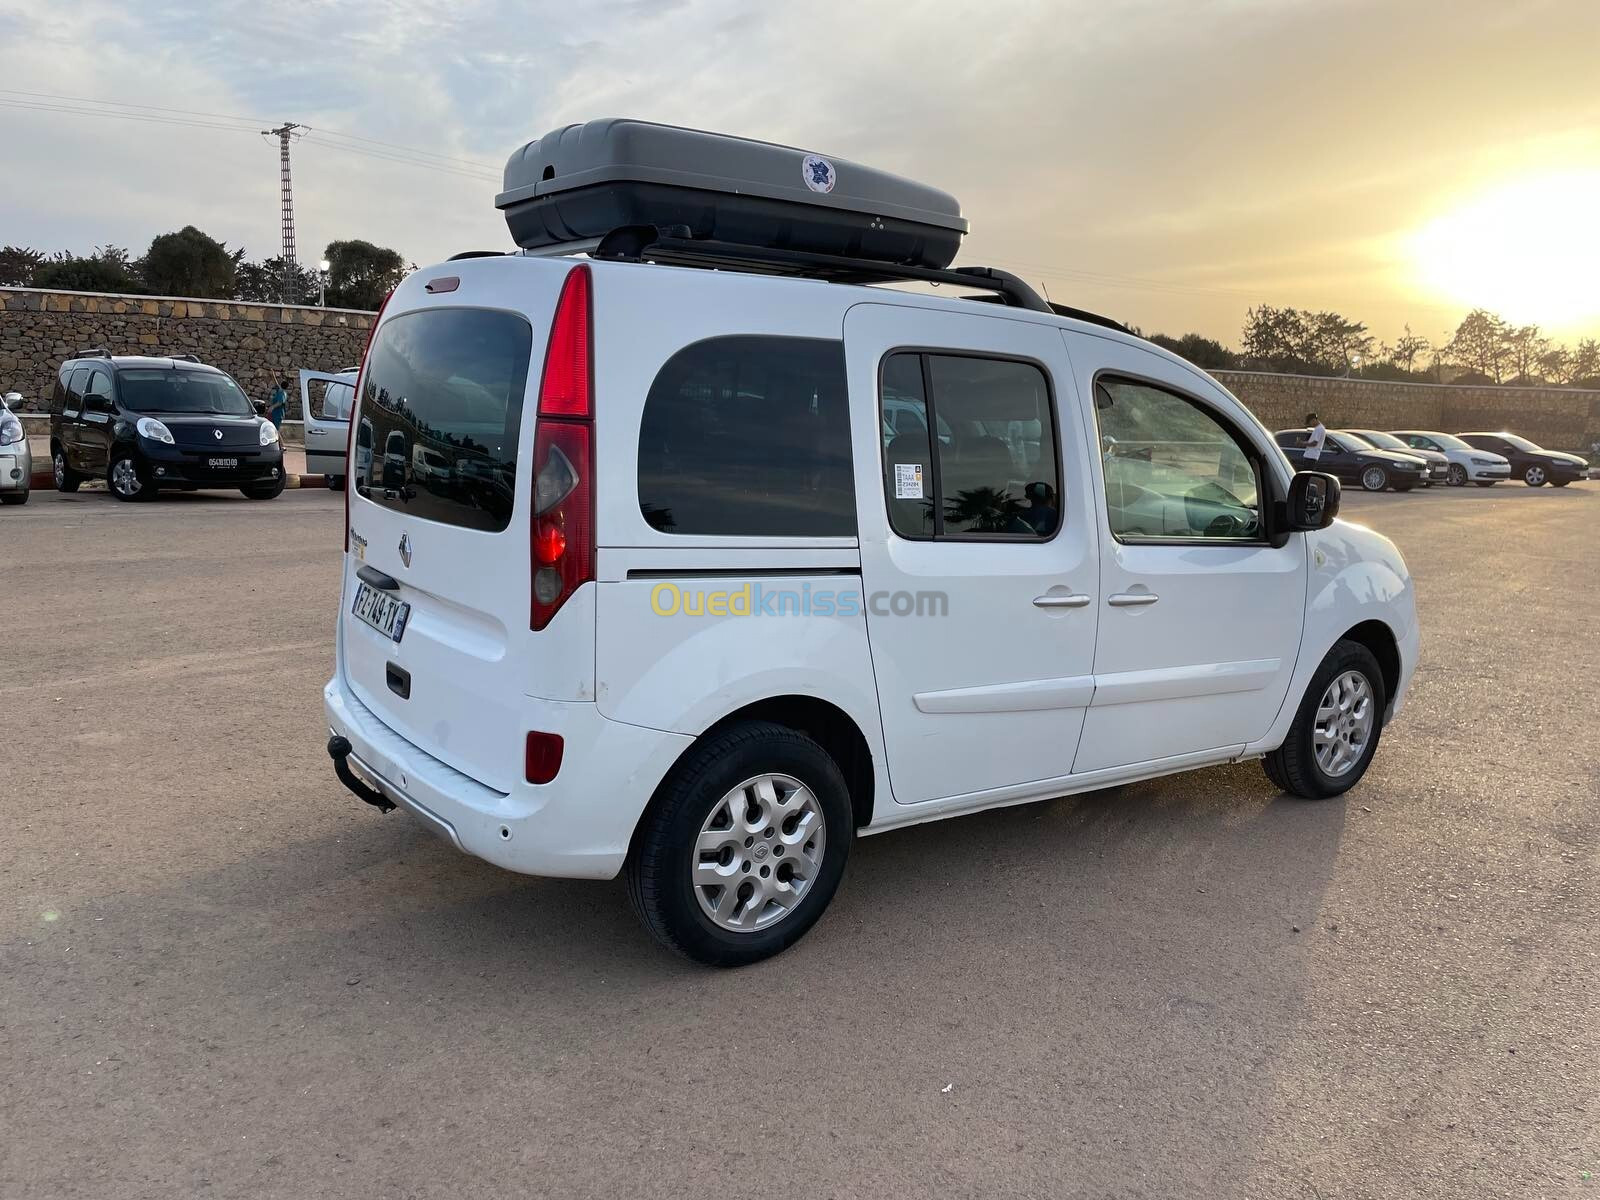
158 390
443 395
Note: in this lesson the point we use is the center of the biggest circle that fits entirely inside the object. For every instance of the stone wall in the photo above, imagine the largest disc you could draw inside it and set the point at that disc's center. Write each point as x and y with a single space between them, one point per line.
1560 418
254 343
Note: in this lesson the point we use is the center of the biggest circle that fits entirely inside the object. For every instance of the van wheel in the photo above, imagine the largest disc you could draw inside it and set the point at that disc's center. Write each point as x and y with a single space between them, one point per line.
127 479
67 480
1336 730
743 846
264 491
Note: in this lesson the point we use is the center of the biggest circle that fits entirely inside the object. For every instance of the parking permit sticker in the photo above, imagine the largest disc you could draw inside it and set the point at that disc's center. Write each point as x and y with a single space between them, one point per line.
908 481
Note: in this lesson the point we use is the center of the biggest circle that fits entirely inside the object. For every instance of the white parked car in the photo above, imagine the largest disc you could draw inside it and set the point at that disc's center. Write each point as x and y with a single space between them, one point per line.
327 422
1467 463
16 459
1438 462
686 615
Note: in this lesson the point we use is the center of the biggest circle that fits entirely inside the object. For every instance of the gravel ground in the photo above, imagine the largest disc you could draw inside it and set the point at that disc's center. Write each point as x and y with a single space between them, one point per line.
222 975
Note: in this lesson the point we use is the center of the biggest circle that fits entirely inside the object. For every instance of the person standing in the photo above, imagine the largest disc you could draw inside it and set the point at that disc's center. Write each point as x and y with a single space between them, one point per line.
1316 439
278 404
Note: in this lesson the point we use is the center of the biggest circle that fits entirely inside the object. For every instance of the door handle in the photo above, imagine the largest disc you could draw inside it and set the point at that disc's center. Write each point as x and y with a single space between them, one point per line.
1131 599
379 580
1062 601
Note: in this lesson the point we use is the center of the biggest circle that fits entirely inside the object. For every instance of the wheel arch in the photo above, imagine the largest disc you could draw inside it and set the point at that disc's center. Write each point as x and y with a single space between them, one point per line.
1377 637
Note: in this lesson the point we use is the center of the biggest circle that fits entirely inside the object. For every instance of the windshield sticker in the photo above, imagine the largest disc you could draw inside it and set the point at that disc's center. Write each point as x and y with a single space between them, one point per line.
908 481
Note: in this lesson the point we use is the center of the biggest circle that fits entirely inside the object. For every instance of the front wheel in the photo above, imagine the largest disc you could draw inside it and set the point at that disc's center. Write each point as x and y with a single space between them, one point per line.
743 845
1535 476
127 479
1456 476
1336 730
13 497
1559 482
1374 479
264 491
1486 482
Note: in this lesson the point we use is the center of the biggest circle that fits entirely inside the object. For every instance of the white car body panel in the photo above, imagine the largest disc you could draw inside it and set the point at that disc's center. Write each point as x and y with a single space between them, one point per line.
327 433
980 709
1480 465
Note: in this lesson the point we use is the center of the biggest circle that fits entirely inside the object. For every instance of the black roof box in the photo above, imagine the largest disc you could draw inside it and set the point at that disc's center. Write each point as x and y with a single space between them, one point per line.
578 183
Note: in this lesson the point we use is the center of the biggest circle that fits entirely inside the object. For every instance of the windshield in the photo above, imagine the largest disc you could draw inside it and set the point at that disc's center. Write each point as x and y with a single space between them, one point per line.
157 390
1446 441
1386 440
1355 441
1521 443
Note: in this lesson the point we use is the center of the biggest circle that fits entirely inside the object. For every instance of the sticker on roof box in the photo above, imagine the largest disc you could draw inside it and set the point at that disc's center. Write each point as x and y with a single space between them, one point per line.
818 173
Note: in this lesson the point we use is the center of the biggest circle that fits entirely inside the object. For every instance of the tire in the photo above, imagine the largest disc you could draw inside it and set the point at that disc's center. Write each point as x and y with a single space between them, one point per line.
1456 476
1559 482
127 480
14 497
1295 766
1535 476
1406 487
67 480
692 806
267 491
1485 482
1374 479
336 483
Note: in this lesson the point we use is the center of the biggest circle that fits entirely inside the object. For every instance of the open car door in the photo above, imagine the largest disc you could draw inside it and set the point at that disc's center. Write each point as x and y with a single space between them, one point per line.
326 399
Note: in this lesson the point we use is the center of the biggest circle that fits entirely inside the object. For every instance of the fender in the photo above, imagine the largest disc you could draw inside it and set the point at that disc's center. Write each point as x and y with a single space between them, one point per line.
1355 575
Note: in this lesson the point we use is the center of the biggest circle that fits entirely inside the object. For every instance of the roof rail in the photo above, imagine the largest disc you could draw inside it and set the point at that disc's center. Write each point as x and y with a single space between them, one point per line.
94 352
673 244
476 254
1077 314
184 358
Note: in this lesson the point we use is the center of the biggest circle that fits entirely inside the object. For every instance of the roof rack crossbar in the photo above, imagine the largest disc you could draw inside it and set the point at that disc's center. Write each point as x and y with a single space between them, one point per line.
672 245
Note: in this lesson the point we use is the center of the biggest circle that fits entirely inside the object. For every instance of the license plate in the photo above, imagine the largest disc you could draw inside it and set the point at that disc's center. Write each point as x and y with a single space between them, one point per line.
381 611
222 464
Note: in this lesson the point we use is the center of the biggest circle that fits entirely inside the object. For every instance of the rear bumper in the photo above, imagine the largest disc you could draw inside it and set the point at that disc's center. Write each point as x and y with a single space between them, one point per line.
578 825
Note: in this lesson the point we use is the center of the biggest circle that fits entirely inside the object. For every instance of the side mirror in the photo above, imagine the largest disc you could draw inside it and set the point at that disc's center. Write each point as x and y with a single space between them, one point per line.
13 399
1313 501
260 406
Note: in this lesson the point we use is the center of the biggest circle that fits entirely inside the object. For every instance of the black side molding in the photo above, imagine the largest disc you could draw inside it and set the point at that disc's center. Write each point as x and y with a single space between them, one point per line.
339 751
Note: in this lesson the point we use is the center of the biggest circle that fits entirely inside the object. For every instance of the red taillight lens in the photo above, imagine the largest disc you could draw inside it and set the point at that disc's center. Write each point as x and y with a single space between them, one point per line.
542 759
566 388
561 537
350 435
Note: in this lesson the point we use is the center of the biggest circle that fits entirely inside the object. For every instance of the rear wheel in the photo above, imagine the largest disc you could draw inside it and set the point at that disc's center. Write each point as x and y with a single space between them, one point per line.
127 479
264 491
1336 730
1535 476
67 480
743 846
1374 479
1456 476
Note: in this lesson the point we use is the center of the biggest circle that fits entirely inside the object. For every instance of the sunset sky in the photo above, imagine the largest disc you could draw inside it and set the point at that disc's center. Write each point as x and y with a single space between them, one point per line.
1169 163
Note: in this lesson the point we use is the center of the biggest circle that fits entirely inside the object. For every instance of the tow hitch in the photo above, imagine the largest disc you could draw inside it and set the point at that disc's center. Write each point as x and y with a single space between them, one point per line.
339 751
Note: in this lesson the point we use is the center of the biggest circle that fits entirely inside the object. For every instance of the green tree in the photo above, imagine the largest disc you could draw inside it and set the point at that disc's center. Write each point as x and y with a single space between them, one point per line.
17 265
264 281
189 263
1206 353
107 270
1407 349
360 274
1583 369
1479 344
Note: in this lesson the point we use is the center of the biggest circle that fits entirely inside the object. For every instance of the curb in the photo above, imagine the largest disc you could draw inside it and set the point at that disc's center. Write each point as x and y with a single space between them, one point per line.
306 481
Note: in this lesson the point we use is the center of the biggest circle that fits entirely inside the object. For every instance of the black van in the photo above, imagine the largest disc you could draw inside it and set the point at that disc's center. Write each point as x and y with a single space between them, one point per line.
143 424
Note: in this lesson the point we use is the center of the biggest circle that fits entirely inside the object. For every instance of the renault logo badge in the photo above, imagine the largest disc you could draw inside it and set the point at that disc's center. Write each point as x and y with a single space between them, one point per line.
217 433
405 548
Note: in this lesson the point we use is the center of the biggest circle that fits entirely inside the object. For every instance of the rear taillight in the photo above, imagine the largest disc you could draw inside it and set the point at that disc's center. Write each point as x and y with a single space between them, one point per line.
561 536
542 758
350 434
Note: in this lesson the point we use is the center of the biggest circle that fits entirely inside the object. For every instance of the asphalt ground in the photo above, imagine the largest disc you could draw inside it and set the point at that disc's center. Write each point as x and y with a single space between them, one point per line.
222 975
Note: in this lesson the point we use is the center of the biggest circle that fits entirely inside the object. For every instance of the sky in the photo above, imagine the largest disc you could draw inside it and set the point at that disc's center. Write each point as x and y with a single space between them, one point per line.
1167 162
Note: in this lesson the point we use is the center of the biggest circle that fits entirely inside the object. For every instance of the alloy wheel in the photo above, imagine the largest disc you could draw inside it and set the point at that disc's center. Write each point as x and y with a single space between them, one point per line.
758 853
58 464
1458 475
1374 479
125 477
1533 476
1344 723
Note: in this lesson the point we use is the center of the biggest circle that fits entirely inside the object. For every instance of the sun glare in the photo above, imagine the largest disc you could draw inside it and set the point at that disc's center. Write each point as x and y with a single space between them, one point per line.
1528 250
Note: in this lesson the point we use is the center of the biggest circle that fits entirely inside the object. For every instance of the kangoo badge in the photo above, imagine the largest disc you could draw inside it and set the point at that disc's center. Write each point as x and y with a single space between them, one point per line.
818 173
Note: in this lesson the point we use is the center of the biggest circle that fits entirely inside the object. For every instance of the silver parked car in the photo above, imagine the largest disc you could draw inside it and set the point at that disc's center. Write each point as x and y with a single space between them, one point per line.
16 460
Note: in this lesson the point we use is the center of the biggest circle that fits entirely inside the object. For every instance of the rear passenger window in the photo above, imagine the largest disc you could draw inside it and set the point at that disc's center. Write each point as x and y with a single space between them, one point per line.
991 470
749 437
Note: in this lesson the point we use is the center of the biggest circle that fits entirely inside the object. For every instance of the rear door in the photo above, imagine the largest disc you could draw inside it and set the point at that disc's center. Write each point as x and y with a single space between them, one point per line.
72 420
449 670
977 553
326 399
